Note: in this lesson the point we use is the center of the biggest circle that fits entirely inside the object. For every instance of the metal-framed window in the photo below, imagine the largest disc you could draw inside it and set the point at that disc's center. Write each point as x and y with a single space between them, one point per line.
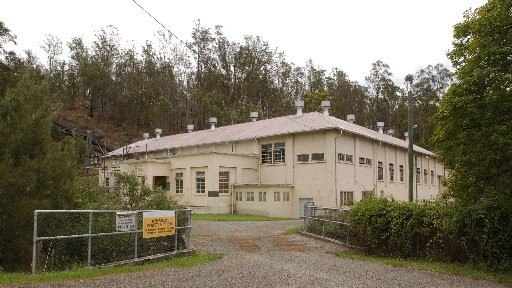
346 198
286 196
250 196
262 196
391 172
277 196
239 196
200 182
418 175
317 157
380 171
179 182
303 158
432 177
279 152
401 169
273 153
266 154
425 176
224 182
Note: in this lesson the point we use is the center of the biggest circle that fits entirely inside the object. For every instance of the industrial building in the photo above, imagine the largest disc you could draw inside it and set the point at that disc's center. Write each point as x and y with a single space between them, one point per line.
274 166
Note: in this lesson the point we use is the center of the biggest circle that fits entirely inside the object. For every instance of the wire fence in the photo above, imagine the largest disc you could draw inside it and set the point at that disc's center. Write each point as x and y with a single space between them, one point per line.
327 222
67 239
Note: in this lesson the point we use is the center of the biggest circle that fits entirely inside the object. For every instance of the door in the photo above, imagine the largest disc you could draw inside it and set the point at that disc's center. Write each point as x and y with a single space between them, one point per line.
302 203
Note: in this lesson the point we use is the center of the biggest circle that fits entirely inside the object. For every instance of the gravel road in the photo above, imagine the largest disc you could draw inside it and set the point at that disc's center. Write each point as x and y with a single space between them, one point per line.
257 254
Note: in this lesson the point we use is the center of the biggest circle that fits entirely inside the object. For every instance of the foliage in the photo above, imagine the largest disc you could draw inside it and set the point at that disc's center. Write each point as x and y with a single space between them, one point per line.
37 172
479 234
474 123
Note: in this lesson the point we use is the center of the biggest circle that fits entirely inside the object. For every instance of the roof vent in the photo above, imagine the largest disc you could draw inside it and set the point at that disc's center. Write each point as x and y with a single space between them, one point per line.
190 128
158 131
146 136
390 132
325 107
254 116
406 135
351 118
213 122
380 126
299 104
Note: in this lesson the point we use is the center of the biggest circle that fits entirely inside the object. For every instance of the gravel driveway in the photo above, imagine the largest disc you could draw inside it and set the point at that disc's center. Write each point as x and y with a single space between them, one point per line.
257 254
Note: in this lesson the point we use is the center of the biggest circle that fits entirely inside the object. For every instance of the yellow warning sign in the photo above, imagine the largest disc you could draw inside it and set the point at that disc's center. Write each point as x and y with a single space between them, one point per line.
158 223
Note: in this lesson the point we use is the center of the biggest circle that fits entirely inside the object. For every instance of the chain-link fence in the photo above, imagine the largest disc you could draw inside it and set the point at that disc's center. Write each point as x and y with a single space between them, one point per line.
65 239
327 222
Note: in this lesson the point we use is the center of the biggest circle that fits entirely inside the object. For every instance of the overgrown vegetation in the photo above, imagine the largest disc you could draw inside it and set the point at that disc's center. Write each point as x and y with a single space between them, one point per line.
479 234
82 273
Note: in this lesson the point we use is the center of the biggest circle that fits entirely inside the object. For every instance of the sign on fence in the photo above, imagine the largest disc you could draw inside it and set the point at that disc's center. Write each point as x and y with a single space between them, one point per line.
126 221
158 223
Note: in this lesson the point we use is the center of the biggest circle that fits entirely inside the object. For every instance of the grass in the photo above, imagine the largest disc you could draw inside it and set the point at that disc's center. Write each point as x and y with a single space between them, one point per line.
293 230
446 268
235 217
83 273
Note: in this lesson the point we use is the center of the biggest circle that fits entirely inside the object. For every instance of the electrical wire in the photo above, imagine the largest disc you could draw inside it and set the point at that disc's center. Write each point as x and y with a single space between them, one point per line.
167 29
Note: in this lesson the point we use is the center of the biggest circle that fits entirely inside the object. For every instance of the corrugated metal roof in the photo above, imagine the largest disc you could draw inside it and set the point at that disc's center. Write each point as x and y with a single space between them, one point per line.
308 122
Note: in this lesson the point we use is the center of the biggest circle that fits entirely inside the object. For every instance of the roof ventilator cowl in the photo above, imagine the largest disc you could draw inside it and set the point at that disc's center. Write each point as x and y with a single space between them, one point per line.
299 104
213 122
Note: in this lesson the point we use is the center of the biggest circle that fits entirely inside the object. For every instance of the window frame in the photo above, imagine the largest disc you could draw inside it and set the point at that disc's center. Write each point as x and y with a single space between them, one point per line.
300 156
391 170
277 195
401 171
318 155
262 196
344 196
201 185
178 187
380 171
223 185
249 196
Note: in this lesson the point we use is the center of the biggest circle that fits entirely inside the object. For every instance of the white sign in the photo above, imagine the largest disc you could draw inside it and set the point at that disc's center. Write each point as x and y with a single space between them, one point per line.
126 221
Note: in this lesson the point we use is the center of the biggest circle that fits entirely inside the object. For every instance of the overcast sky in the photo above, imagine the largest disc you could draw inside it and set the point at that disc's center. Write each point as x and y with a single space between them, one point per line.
406 34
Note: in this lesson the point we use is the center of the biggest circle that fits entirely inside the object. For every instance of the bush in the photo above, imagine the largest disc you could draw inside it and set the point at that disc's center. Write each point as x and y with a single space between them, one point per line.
480 234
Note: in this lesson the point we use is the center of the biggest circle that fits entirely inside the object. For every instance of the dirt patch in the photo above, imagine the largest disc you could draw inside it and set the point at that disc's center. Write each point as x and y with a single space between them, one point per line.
246 244
285 244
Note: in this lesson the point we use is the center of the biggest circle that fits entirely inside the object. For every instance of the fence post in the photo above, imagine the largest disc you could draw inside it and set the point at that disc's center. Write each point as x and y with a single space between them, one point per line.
89 244
176 233
34 245
136 244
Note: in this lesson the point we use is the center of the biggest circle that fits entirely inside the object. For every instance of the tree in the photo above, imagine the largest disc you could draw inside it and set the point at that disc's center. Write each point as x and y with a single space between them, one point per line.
473 131
37 172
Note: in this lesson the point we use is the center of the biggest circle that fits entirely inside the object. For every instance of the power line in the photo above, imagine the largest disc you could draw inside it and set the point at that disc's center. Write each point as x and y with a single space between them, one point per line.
167 29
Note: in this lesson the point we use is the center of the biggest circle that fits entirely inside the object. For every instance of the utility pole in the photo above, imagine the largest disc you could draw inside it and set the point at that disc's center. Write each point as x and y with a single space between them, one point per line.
408 79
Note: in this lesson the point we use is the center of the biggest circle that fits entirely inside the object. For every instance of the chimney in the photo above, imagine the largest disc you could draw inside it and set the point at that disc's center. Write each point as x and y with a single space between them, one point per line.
299 104
351 118
406 135
254 116
380 126
190 128
325 107
213 122
390 132
146 136
158 131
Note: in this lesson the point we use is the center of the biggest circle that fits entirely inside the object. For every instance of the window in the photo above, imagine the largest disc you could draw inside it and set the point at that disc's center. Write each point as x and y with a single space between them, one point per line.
380 171
279 154
362 161
346 198
161 181
239 196
432 177
303 158
250 196
200 182
277 196
346 158
286 196
262 196
179 182
418 175
107 182
273 153
391 172
368 161
266 154
224 182
317 157
401 167
425 176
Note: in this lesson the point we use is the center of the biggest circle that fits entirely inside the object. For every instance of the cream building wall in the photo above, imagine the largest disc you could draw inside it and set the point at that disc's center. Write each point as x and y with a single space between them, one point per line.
327 182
